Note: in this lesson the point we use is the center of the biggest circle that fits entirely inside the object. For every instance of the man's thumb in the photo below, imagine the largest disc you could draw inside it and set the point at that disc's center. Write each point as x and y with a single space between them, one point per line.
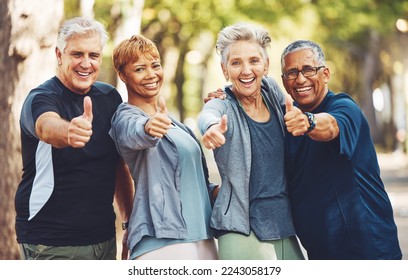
161 105
289 103
223 124
88 108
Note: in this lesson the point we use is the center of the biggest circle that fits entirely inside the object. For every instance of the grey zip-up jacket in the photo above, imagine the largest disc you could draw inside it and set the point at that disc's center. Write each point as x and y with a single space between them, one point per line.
231 208
153 163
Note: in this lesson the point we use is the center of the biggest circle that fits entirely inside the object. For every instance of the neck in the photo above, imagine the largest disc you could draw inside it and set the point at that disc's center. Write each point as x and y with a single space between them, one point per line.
255 107
314 105
251 102
148 105
74 90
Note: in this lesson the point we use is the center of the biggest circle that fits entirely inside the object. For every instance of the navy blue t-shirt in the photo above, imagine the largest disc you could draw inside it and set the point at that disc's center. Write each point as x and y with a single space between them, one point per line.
339 205
65 197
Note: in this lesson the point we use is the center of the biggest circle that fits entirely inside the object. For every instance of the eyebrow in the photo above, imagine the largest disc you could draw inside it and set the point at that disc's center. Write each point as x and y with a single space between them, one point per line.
144 65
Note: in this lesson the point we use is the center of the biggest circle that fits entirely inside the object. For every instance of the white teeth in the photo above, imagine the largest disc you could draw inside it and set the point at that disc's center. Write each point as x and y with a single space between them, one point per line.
83 74
303 89
246 80
151 85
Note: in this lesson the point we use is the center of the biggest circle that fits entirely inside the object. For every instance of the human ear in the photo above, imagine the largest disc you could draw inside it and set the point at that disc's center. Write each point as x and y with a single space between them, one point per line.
122 77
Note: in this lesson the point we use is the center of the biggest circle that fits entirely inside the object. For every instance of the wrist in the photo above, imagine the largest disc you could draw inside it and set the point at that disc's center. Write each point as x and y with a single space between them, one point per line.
312 121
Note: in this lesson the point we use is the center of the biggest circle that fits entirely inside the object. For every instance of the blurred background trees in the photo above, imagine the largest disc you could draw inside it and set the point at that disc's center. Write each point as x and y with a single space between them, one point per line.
365 42
27 41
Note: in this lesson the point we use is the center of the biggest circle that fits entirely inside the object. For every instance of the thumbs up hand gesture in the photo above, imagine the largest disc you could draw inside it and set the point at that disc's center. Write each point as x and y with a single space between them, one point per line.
296 122
80 128
214 136
159 123
289 103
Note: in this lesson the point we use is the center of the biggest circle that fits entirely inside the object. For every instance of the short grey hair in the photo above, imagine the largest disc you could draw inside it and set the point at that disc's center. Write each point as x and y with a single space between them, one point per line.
80 26
241 32
304 45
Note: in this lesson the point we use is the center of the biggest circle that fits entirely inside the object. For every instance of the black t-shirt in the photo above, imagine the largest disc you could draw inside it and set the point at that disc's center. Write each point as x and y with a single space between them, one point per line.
65 197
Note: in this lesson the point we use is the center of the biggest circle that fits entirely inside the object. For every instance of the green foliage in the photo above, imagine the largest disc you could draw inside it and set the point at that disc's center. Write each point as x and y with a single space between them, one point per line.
71 8
350 31
106 13
351 20
345 30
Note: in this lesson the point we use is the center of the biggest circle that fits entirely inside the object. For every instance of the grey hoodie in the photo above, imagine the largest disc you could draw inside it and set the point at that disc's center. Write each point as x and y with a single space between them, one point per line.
153 163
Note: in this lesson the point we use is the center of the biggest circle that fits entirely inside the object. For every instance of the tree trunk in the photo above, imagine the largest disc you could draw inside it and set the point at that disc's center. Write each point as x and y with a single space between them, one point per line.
131 20
27 41
87 8
368 77
180 77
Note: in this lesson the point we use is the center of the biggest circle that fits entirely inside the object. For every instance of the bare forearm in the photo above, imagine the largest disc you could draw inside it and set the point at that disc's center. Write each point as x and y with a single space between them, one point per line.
52 129
326 128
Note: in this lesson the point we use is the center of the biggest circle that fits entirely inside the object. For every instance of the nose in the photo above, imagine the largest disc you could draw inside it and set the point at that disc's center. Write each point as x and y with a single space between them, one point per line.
246 68
300 78
86 62
151 73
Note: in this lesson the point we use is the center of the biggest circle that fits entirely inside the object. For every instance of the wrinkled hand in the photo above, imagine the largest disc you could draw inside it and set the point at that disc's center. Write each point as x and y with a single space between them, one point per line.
296 122
215 94
159 124
214 136
80 128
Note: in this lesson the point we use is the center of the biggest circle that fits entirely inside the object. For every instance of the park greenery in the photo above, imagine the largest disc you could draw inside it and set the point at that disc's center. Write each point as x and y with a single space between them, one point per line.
360 39
365 42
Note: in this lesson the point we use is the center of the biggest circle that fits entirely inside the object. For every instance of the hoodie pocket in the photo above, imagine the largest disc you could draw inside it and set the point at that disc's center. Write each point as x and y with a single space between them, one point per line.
229 198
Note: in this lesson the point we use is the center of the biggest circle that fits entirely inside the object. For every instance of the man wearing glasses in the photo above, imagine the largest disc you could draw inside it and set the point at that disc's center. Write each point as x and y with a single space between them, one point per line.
339 205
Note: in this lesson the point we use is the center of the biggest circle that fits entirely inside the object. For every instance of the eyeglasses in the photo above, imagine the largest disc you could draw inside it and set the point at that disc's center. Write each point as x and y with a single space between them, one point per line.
307 71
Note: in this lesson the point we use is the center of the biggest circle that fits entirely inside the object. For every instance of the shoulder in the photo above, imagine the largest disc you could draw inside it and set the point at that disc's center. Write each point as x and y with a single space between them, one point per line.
49 91
218 103
269 82
271 88
108 92
126 110
51 86
104 87
341 100
343 108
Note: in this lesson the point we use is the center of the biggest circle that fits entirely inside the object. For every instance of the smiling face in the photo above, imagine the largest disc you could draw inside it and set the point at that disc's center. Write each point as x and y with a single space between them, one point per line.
79 63
308 92
245 67
143 78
